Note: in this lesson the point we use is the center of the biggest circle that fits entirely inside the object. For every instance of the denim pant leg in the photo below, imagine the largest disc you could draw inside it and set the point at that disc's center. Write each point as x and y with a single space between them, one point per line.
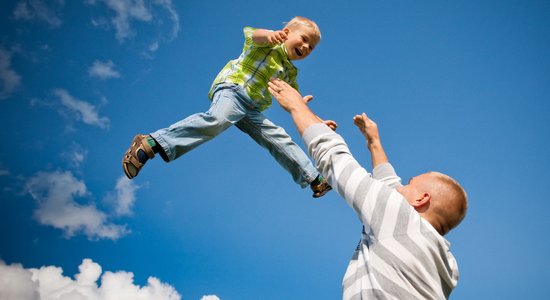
181 137
275 139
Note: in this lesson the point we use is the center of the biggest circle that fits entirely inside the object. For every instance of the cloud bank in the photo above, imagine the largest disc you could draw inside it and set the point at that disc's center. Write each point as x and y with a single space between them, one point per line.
48 283
55 193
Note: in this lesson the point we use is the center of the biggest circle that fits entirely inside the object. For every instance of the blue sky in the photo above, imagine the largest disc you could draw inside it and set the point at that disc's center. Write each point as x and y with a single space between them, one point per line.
461 87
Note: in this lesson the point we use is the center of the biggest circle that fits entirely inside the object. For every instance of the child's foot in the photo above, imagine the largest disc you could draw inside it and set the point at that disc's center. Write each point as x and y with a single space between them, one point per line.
320 187
137 155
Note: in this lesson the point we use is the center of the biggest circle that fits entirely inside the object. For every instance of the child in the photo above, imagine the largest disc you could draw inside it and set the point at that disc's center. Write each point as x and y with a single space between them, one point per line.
239 94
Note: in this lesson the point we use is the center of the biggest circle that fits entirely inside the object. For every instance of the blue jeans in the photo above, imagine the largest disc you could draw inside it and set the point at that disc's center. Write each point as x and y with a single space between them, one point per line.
231 105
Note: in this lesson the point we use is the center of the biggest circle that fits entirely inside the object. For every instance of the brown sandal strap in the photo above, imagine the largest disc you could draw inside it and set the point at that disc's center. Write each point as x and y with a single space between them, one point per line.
131 156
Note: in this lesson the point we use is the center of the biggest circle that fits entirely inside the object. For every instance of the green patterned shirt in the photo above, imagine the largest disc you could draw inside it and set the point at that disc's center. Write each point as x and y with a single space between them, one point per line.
255 66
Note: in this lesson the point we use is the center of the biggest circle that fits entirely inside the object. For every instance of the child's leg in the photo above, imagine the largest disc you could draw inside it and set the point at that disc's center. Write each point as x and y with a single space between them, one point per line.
226 109
275 139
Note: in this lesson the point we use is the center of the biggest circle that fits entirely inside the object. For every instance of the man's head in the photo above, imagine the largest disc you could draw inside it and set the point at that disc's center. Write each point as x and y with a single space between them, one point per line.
438 198
302 36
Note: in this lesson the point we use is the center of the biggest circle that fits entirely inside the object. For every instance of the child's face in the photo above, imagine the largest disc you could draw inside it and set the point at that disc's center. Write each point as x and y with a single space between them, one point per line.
300 42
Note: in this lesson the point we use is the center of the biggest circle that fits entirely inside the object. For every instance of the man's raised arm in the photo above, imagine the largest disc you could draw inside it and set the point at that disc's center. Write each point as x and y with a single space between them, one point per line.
331 154
291 101
369 129
381 168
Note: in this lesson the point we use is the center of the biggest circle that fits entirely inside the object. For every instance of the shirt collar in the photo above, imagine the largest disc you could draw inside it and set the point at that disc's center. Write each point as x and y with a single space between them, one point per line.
283 49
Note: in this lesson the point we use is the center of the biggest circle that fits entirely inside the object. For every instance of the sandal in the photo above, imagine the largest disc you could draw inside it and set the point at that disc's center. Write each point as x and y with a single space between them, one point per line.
320 189
140 148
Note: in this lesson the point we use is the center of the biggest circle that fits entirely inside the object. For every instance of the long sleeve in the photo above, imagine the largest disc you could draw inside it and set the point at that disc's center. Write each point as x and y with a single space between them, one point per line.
400 256
370 198
386 173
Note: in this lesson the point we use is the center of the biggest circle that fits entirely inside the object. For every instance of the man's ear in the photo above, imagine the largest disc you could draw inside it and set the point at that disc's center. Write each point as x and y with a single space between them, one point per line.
422 201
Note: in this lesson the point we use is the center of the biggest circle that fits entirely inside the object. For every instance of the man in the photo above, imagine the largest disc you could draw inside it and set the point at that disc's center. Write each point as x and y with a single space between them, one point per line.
402 253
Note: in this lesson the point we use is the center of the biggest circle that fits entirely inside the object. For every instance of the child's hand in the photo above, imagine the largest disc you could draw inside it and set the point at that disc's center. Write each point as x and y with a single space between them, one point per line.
331 124
367 127
276 37
268 37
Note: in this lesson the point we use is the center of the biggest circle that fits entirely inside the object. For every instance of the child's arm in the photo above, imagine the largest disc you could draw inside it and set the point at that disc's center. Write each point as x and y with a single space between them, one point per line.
268 37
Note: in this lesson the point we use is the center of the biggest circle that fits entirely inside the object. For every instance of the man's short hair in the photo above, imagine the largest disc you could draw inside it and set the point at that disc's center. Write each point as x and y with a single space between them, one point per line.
453 200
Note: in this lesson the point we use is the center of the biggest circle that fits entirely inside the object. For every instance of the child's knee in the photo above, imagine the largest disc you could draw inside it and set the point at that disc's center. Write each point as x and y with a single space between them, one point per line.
216 124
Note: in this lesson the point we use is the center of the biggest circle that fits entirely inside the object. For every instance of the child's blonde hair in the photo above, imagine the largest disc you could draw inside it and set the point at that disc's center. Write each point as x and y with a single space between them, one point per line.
298 22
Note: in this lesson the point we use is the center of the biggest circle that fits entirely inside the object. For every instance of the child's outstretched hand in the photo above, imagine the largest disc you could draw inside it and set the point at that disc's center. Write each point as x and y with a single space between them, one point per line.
268 37
367 127
276 37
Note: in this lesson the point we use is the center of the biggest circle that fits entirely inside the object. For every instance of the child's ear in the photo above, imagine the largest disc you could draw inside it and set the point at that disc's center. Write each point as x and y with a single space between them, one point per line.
286 30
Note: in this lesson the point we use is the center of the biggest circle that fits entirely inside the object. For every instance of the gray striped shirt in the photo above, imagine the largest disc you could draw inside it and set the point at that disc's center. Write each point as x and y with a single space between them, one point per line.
400 255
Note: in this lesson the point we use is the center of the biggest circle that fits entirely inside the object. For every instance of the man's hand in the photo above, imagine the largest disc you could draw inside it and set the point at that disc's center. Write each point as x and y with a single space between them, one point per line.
330 123
291 101
368 127
288 97
268 37
370 130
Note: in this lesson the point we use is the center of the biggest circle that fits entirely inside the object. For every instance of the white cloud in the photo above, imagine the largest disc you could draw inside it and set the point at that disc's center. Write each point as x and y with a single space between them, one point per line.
9 79
81 110
78 157
128 11
123 197
3 170
125 12
210 297
38 10
103 70
75 154
172 15
55 193
17 283
153 47
48 283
